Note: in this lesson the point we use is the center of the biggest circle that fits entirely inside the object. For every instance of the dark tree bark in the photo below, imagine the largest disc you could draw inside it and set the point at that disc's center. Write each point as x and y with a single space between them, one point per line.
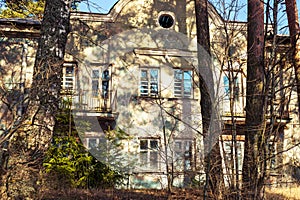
212 159
27 146
255 102
293 21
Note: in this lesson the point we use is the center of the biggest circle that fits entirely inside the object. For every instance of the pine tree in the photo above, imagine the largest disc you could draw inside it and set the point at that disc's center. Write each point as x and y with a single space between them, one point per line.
23 9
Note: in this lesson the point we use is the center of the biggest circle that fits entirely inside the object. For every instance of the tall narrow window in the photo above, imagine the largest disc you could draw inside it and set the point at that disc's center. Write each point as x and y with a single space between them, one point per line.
182 83
183 154
68 77
95 83
105 84
226 87
149 82
235 87
149 153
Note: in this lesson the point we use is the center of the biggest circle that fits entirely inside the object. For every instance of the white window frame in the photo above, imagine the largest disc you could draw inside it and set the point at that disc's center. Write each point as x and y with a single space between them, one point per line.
68 79
88 142
179 84
145 86
149 151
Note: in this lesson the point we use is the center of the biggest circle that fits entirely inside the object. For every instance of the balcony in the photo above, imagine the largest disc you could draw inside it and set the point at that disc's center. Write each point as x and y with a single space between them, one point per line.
96 103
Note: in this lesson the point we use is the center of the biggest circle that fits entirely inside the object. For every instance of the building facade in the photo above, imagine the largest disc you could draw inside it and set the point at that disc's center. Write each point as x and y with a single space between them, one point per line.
133 74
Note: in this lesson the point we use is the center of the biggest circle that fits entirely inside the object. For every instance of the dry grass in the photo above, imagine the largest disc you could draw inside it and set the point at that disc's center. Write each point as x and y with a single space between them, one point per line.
290 193
77 194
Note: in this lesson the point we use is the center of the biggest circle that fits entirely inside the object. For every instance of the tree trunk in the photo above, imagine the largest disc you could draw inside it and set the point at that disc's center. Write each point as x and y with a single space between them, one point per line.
255 102
212 159
27 146
293 21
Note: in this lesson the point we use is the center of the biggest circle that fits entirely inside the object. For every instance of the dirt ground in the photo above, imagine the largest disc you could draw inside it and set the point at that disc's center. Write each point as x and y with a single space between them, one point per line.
122 195
178 194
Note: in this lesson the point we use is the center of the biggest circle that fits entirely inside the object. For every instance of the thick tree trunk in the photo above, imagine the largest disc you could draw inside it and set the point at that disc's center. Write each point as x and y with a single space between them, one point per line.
212 159
28 144
255 102
293 21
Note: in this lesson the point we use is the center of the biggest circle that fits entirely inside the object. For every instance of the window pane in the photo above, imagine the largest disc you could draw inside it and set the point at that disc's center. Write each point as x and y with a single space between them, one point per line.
153 144
177 83
95 74
226 86
153 74
178 146
236 88
144 83
187 83
143 144
144 75
69 71
105 87
92 143
154 81
178 75
144 158
154 159
144 89
105 74
154 89
95 87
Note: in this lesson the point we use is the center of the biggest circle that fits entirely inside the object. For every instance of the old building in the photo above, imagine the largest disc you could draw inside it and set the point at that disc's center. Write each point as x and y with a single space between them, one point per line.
133 74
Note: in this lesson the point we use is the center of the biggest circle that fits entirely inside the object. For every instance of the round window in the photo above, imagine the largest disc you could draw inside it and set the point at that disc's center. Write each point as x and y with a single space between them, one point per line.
166 20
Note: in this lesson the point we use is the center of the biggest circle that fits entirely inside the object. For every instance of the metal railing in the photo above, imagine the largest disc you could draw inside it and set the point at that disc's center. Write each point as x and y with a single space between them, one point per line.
91 100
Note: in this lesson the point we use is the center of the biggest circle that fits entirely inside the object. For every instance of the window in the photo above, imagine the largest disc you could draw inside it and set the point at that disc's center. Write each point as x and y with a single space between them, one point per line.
92 143
183 154
149 82
230 153
68 77
105 84
95 82
149 153
182 83
166 21
235 87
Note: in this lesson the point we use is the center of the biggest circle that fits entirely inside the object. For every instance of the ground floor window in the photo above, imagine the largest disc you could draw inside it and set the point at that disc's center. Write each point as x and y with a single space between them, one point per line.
149 155
183 154
92 143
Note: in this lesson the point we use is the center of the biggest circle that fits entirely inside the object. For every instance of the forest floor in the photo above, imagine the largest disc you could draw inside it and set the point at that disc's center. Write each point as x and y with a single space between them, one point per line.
177 194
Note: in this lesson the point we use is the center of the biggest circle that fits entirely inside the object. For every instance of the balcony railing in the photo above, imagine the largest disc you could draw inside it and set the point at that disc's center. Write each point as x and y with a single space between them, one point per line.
94 101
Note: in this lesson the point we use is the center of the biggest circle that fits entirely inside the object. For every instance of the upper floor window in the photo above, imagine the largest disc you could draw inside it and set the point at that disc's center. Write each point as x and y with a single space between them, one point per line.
149 82
68 77
149 157
95 82
100 81
166 20
182 83
105 83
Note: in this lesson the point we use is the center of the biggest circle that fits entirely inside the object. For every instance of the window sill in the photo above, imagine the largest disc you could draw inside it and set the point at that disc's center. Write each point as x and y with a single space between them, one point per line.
150 98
